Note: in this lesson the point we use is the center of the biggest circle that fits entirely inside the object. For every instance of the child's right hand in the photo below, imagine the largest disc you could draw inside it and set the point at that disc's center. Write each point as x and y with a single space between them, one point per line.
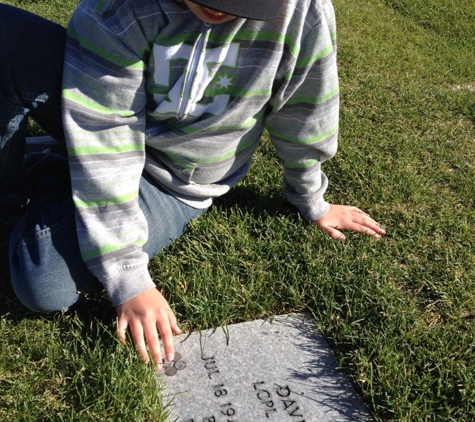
147 316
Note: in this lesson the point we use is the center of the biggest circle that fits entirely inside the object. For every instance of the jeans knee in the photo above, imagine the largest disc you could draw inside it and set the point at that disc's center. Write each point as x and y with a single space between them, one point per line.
41 299
46 270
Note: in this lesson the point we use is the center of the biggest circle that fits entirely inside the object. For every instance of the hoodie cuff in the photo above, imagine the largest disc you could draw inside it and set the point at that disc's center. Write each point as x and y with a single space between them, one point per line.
314 210
127 284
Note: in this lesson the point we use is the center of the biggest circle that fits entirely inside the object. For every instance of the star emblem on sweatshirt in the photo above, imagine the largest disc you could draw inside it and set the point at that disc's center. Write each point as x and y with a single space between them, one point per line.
224 80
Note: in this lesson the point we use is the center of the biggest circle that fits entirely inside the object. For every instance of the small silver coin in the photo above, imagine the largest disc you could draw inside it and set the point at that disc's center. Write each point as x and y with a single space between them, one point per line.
180 365
171 370
177 356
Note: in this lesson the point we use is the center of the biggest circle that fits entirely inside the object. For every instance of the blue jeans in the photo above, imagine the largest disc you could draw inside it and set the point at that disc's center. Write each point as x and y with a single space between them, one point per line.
46 268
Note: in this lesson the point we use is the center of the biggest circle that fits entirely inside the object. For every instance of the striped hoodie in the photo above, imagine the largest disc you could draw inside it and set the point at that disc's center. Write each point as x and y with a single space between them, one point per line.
149 87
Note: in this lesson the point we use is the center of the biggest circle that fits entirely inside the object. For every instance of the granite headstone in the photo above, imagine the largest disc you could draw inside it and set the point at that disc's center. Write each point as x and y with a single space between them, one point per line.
275 370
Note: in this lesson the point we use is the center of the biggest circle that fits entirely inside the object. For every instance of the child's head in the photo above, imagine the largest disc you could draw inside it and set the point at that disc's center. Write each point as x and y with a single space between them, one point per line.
220 11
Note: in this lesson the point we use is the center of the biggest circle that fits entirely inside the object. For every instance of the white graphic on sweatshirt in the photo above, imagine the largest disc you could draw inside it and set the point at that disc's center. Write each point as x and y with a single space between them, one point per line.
224 81
202 68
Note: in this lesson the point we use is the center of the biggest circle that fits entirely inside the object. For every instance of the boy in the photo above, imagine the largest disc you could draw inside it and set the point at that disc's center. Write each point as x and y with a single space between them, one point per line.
163 104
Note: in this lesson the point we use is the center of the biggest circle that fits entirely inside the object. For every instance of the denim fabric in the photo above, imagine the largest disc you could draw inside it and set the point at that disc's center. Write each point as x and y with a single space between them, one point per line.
46 268
31 56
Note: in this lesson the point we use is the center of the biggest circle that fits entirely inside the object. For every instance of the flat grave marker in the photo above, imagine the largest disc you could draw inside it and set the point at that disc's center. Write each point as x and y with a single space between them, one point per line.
273 370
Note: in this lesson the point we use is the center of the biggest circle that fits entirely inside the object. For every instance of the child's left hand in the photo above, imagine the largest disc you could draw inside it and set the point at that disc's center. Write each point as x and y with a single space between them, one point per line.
345 217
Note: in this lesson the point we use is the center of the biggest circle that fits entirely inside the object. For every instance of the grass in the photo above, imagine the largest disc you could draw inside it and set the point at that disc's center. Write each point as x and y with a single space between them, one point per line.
399 313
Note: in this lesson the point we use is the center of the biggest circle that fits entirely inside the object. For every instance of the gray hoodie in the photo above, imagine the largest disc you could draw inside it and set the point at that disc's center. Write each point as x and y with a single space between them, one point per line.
148 86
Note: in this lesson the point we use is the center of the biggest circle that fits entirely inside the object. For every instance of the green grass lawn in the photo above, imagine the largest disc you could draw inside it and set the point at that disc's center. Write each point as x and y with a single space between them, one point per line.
399 313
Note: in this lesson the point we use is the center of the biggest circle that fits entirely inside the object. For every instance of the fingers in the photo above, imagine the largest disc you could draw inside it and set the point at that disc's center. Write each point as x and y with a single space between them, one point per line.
147 342
136 330
148 317
137 334
357 210
341 217
153 343
173 322
361 222
167 339
122 330
365 224
333 233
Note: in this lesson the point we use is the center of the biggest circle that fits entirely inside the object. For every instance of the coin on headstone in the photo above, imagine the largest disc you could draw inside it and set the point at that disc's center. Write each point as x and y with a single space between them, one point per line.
171 370
180 365
177 356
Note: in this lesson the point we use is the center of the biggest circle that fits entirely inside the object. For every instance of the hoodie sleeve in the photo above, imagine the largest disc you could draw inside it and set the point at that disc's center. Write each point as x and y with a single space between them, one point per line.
303 124
104 117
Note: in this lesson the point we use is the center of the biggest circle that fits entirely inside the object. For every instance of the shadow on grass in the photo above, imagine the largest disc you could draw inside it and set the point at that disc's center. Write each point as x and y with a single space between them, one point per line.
251 200
9 304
